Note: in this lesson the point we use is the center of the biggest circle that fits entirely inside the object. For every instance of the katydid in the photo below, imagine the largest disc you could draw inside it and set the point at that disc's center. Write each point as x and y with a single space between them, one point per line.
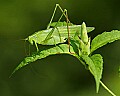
57 34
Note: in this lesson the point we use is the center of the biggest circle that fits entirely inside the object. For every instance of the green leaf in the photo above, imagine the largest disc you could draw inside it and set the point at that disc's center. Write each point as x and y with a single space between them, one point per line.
98 61
95 64
104 38
60 49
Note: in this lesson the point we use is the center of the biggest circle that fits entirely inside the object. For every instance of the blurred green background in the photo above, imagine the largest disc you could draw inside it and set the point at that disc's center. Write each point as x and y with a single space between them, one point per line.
60 75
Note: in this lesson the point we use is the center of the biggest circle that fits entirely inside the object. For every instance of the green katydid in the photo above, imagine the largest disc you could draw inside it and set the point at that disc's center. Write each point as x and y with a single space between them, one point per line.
57 34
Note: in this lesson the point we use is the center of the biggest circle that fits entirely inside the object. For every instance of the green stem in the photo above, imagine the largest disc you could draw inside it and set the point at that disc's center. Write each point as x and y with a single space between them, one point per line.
107 89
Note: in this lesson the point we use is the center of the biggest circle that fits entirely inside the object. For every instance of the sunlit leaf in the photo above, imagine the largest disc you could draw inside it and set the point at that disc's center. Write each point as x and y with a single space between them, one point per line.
104 38
60 49
95 64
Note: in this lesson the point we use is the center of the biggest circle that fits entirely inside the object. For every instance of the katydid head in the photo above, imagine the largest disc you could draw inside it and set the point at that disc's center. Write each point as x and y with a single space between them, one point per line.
30 39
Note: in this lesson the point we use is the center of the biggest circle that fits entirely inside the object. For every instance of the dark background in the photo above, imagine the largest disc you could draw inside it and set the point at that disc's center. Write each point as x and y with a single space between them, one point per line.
60 75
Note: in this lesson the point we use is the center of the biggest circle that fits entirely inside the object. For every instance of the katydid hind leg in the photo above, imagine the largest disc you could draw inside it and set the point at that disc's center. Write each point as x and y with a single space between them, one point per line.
68 21
57 6
51 32
68 30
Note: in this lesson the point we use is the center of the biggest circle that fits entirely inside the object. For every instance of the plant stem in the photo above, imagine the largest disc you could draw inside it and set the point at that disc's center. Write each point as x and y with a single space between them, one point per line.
107 89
